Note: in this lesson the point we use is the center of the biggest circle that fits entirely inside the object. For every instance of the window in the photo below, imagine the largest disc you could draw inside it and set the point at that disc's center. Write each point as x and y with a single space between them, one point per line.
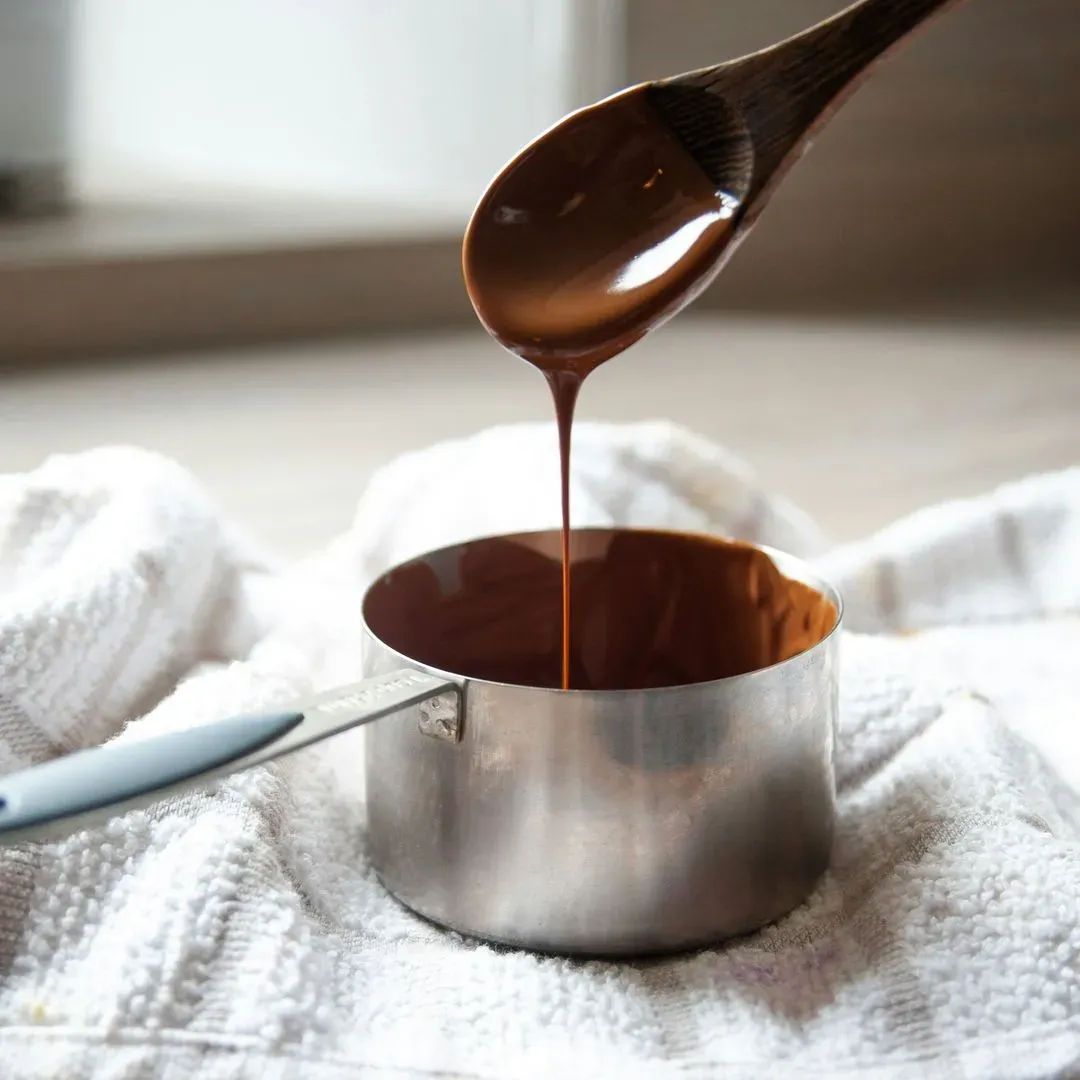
408 102
288 167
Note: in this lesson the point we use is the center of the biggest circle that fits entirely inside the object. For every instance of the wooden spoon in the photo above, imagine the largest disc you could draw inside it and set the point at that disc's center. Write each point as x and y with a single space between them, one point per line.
620 214
746 122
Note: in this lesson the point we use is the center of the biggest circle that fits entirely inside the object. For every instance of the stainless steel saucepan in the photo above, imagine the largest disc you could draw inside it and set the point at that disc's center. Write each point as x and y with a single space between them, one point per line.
606 823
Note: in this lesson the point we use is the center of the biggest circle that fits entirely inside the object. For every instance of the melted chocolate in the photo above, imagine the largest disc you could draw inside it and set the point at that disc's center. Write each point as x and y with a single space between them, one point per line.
650 609
593 236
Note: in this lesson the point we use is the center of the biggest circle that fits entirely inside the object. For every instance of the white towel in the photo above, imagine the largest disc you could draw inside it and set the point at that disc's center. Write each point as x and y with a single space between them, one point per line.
240 932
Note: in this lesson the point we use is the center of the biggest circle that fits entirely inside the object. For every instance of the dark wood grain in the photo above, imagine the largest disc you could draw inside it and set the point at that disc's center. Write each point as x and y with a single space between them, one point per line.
748 120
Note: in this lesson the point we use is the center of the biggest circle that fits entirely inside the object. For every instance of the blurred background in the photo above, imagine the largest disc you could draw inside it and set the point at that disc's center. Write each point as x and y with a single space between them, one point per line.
230 231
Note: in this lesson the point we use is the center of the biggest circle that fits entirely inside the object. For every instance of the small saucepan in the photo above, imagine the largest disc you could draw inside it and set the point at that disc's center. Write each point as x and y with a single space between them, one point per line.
684 795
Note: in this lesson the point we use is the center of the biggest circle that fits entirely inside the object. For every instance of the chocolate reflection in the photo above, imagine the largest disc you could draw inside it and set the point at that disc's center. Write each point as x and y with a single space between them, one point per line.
650 609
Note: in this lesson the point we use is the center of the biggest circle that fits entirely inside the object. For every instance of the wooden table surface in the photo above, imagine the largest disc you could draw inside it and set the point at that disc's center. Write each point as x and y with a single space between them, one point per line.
857 423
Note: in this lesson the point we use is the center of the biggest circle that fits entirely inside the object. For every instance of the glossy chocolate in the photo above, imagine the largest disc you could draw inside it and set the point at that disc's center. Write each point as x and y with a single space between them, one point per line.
649 608
592 236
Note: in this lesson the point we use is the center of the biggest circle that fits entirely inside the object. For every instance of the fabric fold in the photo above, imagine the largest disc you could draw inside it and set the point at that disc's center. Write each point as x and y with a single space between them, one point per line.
241 932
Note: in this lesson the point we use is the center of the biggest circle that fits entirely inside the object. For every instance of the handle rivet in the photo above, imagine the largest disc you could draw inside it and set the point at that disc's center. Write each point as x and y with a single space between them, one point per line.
440 717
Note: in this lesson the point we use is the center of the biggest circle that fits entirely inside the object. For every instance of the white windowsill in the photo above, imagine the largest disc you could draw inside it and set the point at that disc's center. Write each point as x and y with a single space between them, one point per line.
119 277
201 225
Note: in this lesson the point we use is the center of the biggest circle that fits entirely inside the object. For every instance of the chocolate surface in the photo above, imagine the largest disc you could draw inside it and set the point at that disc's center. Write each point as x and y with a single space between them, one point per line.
591 236
649 609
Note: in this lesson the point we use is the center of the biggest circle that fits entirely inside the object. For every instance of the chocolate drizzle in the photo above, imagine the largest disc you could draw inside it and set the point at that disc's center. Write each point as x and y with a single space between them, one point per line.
590 238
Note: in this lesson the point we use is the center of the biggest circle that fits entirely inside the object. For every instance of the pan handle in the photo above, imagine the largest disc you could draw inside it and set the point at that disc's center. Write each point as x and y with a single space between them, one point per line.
88 787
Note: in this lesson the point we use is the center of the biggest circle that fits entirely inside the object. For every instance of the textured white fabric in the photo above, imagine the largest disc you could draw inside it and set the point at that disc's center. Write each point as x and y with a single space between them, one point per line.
241 933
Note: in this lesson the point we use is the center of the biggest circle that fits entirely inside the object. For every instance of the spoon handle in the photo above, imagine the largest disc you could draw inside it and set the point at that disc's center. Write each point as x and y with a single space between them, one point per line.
788 91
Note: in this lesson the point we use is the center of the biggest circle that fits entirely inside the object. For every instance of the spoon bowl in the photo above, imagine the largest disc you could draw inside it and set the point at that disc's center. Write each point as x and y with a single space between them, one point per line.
600 228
